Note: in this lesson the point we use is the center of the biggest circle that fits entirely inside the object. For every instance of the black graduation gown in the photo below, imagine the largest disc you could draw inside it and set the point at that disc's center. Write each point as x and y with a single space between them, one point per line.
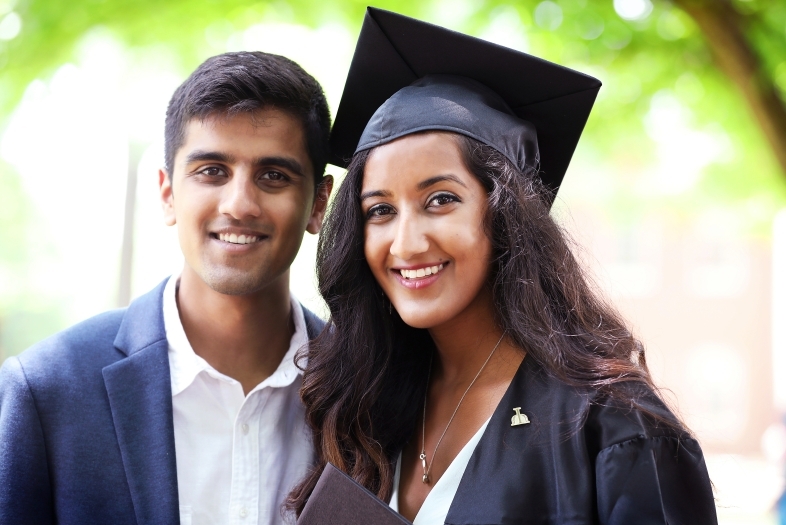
581 460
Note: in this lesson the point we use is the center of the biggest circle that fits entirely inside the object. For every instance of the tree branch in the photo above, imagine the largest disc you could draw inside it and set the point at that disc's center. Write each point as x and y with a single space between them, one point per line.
722 26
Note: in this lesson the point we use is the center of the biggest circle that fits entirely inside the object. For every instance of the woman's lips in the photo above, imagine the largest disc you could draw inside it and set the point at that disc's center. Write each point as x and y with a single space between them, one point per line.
417 278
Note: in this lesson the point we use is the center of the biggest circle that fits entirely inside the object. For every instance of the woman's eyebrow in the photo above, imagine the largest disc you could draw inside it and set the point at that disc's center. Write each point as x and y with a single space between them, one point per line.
421 186
374 193
439 178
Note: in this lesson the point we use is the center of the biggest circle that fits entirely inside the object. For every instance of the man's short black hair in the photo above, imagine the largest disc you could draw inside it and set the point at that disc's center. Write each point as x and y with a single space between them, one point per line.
243 82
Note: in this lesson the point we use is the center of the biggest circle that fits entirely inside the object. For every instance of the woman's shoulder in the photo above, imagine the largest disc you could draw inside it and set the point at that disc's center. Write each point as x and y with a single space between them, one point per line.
630 410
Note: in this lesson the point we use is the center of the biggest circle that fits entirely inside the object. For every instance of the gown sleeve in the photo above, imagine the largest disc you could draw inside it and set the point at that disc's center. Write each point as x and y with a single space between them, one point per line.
654 480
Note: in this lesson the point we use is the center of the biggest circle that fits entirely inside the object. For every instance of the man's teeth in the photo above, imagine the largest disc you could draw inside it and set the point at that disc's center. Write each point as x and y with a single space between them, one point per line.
421 272
238 239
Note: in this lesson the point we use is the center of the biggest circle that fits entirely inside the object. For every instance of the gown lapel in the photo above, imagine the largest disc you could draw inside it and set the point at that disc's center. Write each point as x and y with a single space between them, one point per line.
507 478
140 397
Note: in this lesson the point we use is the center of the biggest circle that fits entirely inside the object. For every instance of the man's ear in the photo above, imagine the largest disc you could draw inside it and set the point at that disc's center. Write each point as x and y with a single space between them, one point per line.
167 197
320 205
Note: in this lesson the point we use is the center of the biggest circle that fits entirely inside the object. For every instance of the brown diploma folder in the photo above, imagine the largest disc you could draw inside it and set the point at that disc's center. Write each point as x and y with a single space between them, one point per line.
339 500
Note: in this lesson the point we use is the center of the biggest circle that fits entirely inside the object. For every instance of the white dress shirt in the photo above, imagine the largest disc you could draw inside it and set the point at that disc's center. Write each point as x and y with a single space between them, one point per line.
435 507
237 456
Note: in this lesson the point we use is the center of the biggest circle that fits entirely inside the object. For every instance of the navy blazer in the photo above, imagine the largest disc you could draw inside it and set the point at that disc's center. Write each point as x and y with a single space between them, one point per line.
86 432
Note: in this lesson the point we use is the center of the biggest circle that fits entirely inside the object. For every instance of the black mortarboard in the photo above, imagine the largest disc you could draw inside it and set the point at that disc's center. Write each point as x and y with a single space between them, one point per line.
409 76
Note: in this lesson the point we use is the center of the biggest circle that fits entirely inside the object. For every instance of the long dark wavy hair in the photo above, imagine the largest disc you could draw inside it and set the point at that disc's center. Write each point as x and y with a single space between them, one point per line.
366 377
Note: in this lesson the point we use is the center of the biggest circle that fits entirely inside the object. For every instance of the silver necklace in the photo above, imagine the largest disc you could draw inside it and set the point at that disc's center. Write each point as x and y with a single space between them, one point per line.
427 466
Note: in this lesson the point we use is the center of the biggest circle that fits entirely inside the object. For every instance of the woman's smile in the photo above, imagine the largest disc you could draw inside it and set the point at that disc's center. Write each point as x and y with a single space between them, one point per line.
418 277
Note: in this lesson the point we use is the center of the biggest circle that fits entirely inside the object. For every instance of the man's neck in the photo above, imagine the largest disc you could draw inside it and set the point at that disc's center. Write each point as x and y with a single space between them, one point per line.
242 336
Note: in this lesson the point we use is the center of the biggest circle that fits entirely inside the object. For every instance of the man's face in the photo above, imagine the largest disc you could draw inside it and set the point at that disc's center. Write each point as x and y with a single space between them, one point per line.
242 195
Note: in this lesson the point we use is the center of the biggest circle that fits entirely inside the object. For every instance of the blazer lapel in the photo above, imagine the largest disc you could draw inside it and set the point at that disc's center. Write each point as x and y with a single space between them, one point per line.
140 397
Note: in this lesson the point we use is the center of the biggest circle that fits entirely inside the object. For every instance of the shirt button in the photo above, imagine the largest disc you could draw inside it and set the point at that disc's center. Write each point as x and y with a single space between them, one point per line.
243 512
245 428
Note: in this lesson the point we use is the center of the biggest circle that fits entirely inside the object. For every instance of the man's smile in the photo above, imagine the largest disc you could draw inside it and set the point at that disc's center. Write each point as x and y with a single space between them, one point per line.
239 239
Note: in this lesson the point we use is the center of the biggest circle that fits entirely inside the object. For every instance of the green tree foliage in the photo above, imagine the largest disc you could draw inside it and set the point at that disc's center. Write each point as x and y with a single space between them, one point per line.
664 51
665 59
22 314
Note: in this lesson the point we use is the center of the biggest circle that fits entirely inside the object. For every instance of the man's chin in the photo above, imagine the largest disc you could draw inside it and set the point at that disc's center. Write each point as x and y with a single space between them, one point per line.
235 282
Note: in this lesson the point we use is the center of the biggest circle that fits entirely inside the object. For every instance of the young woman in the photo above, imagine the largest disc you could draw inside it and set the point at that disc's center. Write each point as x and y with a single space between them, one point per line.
471 375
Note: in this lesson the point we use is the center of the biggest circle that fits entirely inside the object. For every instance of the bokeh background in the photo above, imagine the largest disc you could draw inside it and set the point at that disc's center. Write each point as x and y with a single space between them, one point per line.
675 197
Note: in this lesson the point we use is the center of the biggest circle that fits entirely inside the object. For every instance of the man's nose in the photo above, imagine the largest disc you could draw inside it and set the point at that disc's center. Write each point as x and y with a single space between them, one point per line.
411 237
240 198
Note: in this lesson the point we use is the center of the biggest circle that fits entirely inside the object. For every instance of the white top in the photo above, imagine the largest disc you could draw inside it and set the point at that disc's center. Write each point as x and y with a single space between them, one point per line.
237 456
437 504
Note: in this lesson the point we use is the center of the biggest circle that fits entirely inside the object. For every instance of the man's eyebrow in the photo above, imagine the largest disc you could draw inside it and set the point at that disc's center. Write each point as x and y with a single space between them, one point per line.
374 193
439 178
282 162
202 155
218 156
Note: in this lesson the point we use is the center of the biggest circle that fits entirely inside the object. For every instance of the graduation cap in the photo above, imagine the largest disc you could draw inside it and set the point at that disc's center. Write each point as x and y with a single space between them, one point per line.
408 76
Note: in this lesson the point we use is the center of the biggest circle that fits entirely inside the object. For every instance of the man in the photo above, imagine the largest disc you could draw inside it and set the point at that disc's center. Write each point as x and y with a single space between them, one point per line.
184 406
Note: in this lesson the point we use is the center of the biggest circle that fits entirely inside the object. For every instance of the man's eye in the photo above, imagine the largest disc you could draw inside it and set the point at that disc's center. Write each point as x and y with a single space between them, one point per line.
212 171
276 176
380 210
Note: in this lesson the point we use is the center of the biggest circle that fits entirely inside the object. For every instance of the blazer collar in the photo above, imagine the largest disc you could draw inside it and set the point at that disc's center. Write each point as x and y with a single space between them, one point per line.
140 397
314 324
143 324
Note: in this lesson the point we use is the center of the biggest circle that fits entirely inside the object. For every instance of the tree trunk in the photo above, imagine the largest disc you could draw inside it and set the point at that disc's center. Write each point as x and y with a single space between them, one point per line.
721 25
135 151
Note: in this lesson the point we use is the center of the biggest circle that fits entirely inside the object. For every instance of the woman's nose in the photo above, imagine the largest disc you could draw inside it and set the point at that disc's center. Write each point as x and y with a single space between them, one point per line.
410 239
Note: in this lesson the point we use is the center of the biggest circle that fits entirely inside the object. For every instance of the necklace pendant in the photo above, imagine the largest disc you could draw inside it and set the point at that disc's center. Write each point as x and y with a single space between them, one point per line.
426 469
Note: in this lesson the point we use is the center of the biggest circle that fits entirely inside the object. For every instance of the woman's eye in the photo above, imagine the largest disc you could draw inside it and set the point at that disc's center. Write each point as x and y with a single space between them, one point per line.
443 199
380 210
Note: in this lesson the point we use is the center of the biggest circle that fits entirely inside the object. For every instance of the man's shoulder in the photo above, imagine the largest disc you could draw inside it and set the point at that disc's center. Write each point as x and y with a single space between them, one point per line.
86 346
68 361
77 342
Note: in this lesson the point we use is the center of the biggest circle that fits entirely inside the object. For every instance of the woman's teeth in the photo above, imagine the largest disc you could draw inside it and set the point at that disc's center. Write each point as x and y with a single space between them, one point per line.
237 239
421 272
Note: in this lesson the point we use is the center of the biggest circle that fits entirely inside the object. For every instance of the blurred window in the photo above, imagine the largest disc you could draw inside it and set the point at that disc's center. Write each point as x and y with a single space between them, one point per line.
718 262
635 265
718 391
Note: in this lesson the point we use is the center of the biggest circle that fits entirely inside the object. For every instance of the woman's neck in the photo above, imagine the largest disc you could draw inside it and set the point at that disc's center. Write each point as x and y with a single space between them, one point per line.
453 410
464 342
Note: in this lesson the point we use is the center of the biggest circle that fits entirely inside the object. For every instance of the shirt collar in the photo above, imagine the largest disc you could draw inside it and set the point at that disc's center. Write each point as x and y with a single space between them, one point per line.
185 365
